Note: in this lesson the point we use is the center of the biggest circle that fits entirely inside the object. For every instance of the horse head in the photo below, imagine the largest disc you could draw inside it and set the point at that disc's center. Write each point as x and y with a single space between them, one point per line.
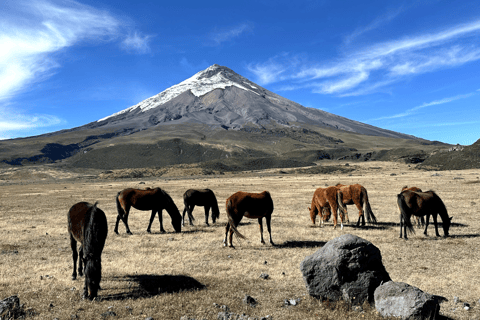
446 226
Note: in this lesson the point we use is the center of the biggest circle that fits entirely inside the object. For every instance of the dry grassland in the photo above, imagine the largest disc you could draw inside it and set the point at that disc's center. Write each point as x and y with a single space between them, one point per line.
155 275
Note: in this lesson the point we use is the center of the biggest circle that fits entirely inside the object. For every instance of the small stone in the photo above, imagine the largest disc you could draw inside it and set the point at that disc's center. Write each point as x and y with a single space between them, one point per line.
108 314
293 302
466 306
264 275
149 318
265 262
456 300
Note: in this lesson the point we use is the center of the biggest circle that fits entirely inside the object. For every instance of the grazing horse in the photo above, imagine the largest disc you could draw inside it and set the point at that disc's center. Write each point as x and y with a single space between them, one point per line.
201 197
420 204
324 202
87 224
420 220
356 194
250 205
150 199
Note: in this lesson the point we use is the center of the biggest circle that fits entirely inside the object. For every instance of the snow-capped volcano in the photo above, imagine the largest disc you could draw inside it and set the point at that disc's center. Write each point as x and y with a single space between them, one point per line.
201 83
219 97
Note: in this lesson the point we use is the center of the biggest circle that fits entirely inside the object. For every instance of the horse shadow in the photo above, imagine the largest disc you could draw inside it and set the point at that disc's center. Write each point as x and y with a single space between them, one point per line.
149 285
301 244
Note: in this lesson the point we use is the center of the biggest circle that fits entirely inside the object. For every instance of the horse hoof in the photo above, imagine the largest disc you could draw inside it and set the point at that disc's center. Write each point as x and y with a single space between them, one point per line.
74 277
129 233
149 231
115 231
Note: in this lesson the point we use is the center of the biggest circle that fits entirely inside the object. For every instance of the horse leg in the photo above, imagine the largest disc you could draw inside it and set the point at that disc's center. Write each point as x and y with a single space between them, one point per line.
227 228
260 224
268 219
434 216
207 209
183 216
404 226
73 244
152 216
160 218
80 261
427 221
190 213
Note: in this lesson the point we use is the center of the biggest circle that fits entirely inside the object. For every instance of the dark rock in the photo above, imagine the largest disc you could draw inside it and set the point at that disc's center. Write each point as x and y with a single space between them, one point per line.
264 275
10 308
347 267
398 299
250 300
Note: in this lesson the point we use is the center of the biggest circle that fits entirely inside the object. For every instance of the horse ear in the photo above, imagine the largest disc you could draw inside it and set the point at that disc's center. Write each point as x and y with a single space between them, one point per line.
451 218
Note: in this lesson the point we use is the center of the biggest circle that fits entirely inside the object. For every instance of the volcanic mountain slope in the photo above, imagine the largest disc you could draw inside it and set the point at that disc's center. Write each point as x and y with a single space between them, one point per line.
216 117
220 97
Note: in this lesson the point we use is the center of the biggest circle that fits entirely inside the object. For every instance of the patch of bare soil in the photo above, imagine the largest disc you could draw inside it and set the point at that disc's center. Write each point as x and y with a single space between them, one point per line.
167 276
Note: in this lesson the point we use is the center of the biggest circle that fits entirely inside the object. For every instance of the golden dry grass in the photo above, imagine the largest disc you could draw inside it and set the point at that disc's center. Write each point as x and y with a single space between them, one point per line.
152 274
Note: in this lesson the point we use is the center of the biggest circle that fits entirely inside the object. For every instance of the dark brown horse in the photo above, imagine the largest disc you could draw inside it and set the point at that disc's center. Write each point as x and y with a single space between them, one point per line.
356 194
203 198
150 199
421 204
324 202
87 224
250 205
420 220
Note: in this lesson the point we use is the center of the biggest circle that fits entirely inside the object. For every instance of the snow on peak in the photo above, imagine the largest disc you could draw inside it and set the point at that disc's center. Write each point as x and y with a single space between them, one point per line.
201 83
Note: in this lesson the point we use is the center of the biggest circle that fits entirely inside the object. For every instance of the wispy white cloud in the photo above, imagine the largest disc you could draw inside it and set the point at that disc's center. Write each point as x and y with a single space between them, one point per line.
368 69
414 110
136 43
375 24
217 37
33 31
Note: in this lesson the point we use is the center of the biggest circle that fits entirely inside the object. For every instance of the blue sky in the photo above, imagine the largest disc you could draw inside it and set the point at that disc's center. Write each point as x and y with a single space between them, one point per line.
407 66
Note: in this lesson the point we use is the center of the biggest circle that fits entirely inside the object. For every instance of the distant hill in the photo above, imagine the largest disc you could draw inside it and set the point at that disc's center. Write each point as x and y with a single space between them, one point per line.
455 158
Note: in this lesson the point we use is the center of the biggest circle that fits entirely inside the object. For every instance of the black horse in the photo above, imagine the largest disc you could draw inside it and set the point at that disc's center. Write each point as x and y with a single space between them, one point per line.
421 204
203 198
149 199
87 224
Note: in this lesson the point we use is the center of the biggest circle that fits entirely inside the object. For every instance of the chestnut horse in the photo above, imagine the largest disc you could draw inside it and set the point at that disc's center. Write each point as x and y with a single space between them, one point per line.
324 202
420 220
203 198
87 224
250 205
356 194
421 204
150 199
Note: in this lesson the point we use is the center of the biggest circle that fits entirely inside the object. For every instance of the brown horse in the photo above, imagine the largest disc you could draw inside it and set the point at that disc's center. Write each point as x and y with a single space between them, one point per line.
421 204
87 224
150 199
420 220
250 205
200 197
356 194
324 202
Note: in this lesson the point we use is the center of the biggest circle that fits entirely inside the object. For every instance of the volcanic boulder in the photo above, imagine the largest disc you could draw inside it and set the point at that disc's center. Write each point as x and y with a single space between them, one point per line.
347 267
398 299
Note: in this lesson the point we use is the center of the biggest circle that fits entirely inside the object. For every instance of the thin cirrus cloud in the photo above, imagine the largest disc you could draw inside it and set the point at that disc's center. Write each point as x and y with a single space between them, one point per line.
414 110
220 36
33 32
378 65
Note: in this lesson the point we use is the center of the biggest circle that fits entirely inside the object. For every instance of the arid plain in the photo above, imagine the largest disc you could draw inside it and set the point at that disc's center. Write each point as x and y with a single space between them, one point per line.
167 276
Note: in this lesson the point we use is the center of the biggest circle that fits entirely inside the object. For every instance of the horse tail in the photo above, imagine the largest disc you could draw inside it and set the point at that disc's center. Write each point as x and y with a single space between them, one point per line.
120 210
231 222
405 212
341 206
367 209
